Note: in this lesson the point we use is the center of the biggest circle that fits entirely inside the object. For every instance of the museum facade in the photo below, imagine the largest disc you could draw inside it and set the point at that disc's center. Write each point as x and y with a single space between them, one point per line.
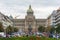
30 24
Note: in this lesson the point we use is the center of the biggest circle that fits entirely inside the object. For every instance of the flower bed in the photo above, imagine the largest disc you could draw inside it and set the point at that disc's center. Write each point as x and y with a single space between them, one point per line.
28 38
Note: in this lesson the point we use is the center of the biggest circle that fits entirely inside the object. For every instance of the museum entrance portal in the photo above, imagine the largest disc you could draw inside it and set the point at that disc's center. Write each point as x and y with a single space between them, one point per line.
30 29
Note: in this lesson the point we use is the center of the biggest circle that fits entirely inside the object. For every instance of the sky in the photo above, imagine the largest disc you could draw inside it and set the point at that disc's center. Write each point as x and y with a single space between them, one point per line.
42 8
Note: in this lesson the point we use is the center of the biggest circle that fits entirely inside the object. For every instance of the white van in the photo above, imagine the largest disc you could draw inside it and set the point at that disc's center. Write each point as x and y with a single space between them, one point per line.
2 34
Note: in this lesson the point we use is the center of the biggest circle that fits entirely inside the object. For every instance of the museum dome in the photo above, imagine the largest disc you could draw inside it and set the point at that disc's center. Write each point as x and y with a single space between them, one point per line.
30 9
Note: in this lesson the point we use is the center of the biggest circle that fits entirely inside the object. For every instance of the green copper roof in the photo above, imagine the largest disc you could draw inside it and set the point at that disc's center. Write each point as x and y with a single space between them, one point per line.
30 9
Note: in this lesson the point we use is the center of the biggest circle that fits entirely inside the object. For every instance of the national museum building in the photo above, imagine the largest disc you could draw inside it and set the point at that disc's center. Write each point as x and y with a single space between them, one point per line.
30 24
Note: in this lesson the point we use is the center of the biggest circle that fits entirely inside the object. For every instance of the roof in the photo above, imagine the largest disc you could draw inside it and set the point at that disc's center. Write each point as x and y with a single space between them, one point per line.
30 9
42 20
18 20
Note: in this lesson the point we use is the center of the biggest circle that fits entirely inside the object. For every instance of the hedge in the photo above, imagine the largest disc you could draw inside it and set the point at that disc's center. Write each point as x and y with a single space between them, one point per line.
28 38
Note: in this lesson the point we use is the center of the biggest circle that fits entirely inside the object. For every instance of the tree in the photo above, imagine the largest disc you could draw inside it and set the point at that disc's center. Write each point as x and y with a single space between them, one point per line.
58 28
1 27
9 30
16 29
41 29
52 30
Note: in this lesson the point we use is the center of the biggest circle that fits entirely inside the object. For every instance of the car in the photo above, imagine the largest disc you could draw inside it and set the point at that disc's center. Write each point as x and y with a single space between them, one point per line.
2 34
15 35
40 34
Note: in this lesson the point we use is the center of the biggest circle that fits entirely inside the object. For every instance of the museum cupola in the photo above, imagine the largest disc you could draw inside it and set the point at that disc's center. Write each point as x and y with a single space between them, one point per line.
30 11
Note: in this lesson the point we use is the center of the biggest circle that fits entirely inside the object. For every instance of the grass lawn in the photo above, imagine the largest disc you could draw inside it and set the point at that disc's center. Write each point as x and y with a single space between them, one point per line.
28 38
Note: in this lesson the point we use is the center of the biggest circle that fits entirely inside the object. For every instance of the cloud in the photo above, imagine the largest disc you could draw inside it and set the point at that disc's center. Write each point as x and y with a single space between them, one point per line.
42 8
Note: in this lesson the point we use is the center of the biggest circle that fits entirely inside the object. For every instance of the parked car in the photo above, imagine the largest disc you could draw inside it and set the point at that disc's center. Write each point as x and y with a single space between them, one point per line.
15 35
40 34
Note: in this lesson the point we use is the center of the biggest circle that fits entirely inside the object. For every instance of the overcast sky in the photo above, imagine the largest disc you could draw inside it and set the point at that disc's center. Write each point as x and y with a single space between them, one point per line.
41 8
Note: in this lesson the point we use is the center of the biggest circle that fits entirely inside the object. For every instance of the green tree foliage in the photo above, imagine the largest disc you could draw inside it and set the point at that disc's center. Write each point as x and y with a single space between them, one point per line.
16 29
58 28
9 29
52 30
1 27
47 29
41 29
